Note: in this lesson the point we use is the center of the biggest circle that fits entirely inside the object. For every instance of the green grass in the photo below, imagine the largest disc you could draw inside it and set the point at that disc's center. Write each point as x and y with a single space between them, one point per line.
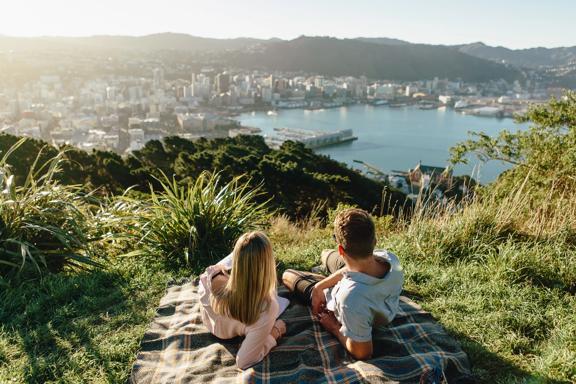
498 272
85 325
501 282
515 326
76 328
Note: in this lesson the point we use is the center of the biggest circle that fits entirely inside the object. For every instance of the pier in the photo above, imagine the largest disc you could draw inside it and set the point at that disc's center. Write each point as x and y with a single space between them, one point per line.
310 138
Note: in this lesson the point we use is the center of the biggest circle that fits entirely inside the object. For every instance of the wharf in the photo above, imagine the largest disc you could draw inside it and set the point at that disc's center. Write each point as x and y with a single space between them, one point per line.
310 138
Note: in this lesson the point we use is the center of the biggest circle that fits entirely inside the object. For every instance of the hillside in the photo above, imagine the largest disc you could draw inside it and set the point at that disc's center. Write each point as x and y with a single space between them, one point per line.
383 40
379 58
336 57
82 272
528 58
392 58
160 41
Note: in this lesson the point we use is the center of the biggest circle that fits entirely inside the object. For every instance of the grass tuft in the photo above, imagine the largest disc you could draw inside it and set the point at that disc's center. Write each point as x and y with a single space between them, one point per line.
194 224
43 224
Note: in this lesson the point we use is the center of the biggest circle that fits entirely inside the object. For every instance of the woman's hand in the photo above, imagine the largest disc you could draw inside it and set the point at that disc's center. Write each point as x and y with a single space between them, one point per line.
279 329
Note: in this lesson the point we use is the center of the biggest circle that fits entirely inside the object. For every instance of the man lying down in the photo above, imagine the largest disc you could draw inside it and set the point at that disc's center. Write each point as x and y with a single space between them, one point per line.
363 289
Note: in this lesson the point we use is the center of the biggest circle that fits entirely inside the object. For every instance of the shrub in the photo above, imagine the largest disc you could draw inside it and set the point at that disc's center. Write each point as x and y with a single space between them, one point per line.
542 181
196 223
43 224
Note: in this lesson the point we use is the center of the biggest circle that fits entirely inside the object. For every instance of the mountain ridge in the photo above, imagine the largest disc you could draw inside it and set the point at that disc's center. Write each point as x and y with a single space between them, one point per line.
527 57
341 57
420 60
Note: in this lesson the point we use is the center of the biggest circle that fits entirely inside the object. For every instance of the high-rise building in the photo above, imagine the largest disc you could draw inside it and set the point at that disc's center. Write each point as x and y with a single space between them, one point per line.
266 93
110 93
222 82
158 79
408 92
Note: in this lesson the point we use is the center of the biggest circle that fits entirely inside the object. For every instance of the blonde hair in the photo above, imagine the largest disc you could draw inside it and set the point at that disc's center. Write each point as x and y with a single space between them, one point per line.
252 282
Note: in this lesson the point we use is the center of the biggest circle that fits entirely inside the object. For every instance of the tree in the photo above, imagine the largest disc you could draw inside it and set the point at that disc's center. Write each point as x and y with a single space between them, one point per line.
295 179
543 156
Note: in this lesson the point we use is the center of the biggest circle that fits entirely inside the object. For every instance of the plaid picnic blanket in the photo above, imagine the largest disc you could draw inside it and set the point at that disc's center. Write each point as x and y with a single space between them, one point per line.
178 349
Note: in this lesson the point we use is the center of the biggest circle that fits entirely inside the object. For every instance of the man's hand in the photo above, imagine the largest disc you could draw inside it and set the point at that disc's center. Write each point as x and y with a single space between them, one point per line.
318 300
361 350
330 322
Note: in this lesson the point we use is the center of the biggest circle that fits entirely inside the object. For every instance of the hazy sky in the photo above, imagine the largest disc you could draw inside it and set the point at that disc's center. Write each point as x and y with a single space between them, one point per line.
515 24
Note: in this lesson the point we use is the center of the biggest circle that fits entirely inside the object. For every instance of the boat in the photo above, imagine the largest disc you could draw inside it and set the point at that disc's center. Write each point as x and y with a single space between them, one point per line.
272 113
461 104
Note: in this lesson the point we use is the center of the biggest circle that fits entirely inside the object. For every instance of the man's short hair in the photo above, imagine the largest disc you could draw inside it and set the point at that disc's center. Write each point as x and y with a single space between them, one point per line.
355 231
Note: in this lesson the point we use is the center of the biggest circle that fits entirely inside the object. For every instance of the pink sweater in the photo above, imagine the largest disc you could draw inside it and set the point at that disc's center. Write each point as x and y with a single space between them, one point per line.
258 341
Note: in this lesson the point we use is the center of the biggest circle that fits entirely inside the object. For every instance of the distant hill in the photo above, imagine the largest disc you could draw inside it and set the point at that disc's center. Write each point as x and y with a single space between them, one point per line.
383 40
160 41
337 57
528 58
382 58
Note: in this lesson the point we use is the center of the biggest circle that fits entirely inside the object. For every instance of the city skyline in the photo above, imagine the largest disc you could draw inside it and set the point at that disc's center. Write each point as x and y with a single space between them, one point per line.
444 22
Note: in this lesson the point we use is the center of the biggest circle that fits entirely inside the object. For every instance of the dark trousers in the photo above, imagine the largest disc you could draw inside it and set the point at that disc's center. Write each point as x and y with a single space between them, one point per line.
331 262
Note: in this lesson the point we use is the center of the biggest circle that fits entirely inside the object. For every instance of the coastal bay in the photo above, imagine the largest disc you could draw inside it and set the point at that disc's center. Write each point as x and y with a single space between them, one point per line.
391 138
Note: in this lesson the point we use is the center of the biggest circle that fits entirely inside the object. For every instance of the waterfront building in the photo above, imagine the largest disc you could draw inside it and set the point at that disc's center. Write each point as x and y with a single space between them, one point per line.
267 94
408 92
425 174
386 91
310 138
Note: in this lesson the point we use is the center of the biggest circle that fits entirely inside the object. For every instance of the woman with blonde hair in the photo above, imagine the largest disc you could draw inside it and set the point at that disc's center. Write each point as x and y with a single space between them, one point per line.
243 301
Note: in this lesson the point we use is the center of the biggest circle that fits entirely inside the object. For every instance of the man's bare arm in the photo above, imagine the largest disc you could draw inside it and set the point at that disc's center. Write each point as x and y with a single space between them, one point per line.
318 298
331 280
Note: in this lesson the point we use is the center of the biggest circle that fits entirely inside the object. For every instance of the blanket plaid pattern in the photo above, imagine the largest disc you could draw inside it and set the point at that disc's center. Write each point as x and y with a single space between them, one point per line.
177 348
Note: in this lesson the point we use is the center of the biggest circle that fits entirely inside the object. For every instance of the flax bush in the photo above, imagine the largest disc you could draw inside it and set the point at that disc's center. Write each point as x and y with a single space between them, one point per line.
193 224
43 224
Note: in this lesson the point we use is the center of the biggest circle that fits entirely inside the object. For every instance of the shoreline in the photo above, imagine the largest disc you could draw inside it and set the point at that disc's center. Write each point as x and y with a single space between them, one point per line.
470 111
463 112
390 138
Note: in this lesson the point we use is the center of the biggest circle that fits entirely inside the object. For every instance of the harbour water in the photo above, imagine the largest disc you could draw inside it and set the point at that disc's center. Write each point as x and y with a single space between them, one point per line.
392 138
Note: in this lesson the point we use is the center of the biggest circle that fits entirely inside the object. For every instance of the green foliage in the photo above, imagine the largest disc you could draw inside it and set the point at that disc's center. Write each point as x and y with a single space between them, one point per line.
195 224
43 224
293 178
84 327
544 155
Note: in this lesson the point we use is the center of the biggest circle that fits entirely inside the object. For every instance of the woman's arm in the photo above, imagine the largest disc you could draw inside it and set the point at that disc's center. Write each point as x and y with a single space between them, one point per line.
259 338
